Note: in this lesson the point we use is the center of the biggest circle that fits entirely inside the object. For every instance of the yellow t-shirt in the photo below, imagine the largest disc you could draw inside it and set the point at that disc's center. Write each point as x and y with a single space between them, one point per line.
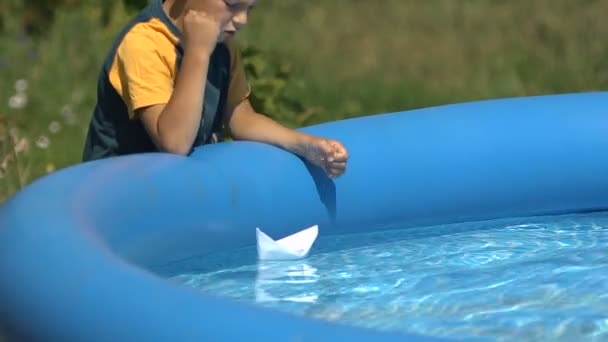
145 67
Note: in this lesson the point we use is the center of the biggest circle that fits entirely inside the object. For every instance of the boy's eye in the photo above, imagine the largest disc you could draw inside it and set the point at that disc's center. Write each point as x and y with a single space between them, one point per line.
232 3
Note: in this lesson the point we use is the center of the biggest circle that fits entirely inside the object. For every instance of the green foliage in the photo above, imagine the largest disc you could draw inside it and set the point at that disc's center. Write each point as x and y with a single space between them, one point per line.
135 4
269 77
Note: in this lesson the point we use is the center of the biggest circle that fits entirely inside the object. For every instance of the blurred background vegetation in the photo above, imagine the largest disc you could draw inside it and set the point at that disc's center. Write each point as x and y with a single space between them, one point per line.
309 61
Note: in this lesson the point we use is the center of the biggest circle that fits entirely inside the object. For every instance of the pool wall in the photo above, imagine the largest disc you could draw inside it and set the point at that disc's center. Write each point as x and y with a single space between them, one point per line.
77 246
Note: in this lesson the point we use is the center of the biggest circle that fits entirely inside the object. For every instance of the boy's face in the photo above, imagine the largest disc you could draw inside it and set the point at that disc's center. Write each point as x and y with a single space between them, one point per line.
239 10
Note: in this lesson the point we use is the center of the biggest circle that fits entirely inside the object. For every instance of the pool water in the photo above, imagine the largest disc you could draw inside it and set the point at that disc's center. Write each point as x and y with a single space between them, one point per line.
537 279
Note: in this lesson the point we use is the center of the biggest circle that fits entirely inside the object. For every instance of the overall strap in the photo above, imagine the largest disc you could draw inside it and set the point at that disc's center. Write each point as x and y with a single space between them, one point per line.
214 97
210 112
216 92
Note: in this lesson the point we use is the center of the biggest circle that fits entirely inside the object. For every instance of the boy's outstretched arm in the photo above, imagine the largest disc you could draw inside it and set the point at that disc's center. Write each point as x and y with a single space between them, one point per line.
245 123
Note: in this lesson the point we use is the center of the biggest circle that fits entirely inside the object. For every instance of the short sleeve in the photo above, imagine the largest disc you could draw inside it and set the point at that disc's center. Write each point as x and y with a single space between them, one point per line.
239 88
145 77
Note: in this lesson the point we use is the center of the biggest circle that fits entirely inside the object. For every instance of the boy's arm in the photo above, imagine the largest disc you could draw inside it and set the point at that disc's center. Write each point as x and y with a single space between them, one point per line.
245 123
173 126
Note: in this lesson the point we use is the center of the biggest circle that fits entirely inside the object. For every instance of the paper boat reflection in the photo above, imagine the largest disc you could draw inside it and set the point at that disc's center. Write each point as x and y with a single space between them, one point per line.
291 281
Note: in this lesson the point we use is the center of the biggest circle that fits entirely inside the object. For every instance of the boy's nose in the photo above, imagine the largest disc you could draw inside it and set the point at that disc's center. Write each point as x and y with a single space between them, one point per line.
240 19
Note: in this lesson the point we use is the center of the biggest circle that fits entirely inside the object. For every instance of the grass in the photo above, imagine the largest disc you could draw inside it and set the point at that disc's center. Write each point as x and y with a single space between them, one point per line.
360 57
348 58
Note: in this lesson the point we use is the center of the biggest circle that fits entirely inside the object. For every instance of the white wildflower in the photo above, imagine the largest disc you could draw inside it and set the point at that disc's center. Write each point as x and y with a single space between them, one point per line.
68 115
66 110
54 127
50 168
43 142
21 86
4 165
18 101
23 145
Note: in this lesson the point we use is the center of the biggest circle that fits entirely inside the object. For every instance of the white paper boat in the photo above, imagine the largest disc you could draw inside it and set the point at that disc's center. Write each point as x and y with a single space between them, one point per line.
292 247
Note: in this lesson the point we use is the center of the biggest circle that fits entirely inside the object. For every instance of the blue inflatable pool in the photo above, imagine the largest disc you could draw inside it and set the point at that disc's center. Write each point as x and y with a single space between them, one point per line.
77 246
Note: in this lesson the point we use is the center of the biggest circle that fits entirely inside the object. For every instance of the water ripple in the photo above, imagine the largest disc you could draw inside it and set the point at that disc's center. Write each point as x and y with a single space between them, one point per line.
524 281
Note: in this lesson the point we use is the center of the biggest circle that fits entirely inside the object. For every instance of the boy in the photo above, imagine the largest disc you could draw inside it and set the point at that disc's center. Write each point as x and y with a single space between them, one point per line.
174 78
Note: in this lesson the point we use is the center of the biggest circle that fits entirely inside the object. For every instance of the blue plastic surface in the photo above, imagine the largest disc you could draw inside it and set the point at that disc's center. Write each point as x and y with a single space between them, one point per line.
76 246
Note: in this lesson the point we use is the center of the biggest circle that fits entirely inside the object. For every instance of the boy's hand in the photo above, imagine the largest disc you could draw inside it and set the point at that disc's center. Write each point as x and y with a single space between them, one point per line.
330 155
204 21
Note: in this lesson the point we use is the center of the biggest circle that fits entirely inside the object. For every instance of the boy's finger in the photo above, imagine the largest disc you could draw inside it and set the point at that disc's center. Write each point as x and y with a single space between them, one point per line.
340 158
340 152
337 170
335 174
340 155
338 165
